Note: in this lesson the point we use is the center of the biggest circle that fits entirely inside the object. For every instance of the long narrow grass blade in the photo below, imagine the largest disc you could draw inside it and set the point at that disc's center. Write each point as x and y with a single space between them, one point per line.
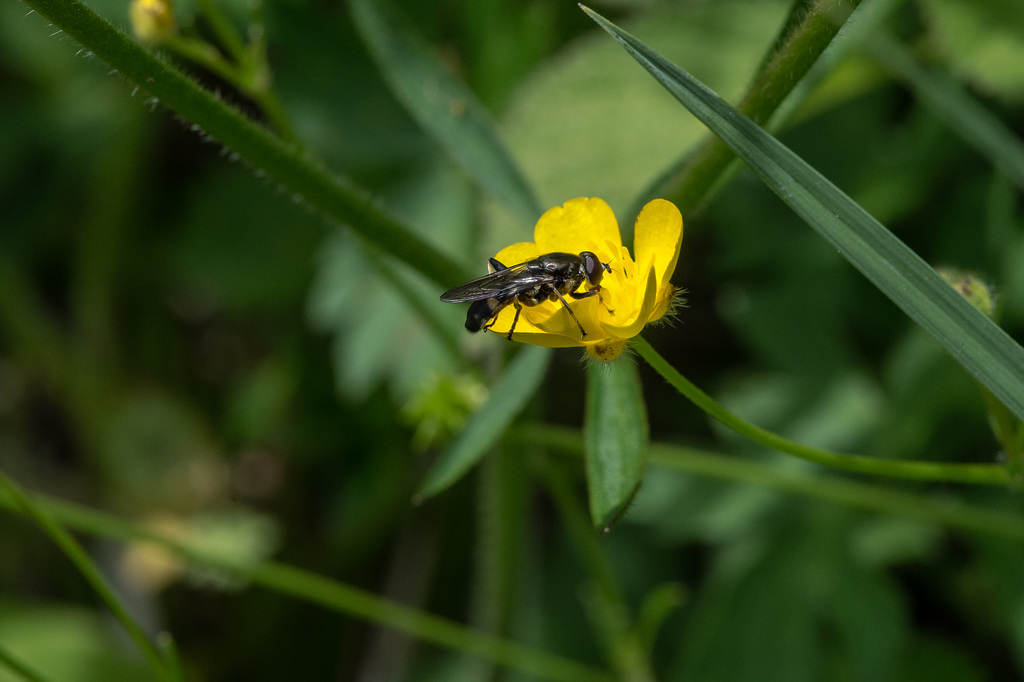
517 383
85 565
984 349
327 593
951 103
442 104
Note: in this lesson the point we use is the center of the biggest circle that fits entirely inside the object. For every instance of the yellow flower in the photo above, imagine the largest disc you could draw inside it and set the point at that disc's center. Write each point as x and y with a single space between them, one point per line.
152 20
633 294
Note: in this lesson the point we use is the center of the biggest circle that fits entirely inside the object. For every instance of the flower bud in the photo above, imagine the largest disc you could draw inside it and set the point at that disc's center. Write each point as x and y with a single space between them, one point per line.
152 20
973 288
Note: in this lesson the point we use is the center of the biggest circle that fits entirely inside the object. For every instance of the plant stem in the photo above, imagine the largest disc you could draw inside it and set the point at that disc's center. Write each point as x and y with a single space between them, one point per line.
608 608
987 474
19 668
335 197
81 560
327 593
691 180
944 511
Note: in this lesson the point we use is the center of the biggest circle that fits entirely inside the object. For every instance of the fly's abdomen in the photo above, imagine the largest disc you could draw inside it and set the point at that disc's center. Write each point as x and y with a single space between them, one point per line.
481 311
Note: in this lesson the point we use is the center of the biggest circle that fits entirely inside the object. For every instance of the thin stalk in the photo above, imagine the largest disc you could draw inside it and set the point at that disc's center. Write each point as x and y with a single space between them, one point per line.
18 668
414 298
689 183
335 197
985 474
330 594
610 613
83 563
881 499
224 30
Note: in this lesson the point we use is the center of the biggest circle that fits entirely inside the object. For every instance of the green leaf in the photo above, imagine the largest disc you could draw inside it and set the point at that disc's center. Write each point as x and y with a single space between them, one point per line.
442 104
517 383
984 349
615 440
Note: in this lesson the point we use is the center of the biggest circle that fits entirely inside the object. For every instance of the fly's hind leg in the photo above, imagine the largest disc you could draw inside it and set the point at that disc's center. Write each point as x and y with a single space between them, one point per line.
583 332
515 319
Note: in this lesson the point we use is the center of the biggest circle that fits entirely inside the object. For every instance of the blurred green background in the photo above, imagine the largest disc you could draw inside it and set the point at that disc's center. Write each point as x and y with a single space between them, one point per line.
186 346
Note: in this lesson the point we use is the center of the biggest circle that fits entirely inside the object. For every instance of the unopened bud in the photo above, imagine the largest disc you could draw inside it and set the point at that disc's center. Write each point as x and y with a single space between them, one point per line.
152 20
973 288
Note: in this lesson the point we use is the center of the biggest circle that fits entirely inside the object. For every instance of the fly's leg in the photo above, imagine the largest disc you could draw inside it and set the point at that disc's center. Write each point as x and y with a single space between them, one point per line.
515 319
494 265
583 332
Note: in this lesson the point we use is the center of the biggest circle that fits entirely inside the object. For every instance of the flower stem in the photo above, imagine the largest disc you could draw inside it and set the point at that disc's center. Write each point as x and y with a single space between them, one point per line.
325 592
870 497
987 474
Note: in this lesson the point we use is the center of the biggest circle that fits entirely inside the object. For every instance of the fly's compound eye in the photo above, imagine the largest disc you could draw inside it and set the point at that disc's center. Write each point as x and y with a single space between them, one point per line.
593 267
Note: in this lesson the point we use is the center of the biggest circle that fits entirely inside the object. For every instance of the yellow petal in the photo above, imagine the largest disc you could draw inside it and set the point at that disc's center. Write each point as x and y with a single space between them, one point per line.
657 238
553 318
629 328
538 325
526 332
578 225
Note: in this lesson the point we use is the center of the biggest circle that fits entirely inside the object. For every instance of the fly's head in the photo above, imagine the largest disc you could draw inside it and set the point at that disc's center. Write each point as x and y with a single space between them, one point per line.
593 268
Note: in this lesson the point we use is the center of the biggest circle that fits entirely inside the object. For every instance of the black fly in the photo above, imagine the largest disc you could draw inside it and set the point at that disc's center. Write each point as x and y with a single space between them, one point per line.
547 278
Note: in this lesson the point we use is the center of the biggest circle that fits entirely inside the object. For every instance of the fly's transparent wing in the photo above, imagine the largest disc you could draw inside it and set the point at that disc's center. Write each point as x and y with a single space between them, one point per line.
502 284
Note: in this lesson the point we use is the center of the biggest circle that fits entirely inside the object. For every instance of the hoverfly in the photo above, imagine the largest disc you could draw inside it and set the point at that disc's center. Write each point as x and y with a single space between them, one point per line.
547 278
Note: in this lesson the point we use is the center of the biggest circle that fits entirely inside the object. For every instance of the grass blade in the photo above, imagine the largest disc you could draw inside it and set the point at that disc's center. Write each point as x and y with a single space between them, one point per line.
442 104
81 560
955 106
984 349
517 383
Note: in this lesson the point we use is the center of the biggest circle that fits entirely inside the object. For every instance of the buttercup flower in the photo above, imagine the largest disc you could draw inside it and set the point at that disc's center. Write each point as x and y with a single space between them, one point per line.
633 294
152 20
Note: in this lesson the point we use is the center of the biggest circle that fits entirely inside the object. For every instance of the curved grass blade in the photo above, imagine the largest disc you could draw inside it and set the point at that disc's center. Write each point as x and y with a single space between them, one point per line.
955 106
883 499
333 196
985 350
517 383
615 440
327 593
85 565
442 104
16 667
